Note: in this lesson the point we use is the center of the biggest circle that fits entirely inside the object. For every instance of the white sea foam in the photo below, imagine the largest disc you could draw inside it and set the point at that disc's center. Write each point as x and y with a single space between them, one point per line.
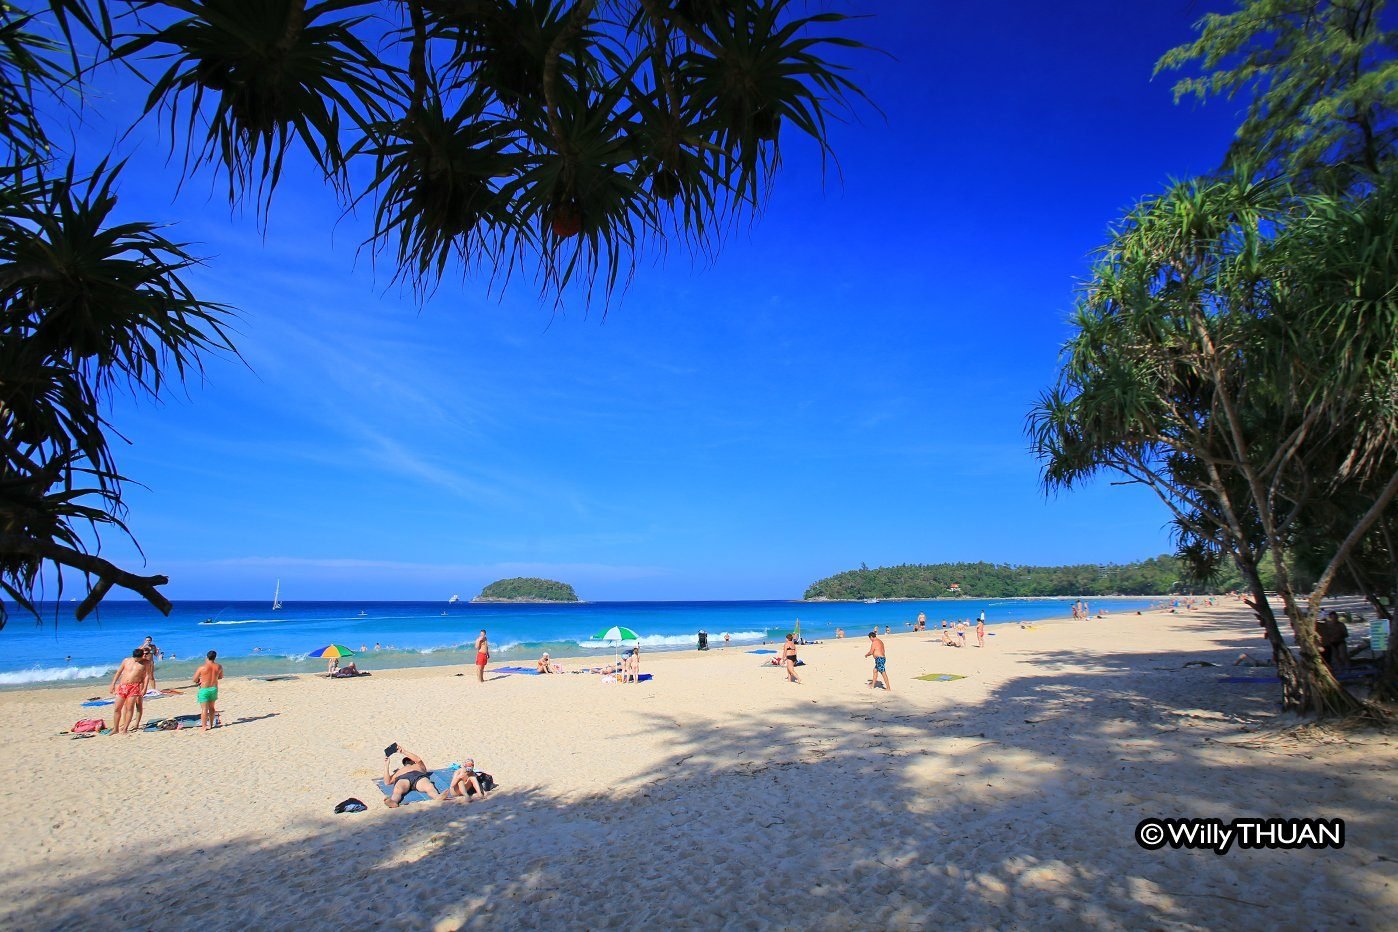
52 675
250 621
679 640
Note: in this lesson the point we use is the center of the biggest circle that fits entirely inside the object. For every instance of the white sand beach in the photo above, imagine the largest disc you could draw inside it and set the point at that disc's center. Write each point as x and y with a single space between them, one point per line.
716 795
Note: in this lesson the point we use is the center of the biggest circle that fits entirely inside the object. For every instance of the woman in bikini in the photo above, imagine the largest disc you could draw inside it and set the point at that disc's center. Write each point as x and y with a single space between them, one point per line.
789 658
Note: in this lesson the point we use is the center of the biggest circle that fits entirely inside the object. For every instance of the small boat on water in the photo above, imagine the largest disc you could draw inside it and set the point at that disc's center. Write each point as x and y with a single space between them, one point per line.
453 600
277 597
871 601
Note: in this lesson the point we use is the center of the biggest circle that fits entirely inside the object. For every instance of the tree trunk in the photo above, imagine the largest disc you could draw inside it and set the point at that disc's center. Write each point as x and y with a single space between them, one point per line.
1322 694
1293 692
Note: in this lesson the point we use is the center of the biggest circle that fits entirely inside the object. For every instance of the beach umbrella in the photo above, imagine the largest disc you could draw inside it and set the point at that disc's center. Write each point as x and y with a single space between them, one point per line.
332 650
617 634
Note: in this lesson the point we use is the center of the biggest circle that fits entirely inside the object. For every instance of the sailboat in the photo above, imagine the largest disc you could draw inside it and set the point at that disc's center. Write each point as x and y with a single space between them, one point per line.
277 597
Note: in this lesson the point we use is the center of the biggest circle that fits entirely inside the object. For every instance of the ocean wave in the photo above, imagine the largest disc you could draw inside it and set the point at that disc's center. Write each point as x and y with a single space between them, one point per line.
681 640
251 621
52 675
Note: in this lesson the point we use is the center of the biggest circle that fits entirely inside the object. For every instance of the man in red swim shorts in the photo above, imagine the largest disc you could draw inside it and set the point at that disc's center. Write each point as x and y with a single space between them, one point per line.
129 686
482 655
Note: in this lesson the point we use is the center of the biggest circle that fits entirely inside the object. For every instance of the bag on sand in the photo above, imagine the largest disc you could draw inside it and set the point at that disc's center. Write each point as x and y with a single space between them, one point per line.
486 780
88 725
351 805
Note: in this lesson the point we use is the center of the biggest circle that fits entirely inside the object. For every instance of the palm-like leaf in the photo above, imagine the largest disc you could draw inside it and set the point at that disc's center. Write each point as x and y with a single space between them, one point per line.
437 190
272 70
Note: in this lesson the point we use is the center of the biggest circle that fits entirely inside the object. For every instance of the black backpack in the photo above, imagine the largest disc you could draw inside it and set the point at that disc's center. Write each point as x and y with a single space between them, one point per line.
486 780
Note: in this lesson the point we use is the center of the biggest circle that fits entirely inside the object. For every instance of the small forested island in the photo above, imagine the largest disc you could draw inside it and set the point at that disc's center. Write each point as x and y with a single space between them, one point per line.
1156 576
527 589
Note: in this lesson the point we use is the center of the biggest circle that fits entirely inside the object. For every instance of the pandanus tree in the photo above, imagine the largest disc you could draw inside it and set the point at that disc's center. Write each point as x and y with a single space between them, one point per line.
1234 347
557 139
1235 353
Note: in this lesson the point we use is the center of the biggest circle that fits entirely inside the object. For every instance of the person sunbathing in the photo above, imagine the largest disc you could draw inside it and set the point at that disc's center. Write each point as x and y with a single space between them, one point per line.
464 781
413 775
1247 660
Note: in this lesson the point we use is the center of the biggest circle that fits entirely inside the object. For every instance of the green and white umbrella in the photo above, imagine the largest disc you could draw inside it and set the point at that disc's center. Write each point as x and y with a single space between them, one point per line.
616 634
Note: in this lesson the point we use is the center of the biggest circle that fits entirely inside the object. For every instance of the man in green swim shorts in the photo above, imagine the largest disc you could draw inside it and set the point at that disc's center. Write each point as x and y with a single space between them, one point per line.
206 678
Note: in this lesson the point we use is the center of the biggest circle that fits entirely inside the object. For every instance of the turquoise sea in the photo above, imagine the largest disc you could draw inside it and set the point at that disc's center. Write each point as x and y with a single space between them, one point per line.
251 639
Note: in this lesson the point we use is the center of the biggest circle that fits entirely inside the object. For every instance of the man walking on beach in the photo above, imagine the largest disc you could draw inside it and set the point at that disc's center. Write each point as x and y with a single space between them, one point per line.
206 678
482 655
128 685
876 651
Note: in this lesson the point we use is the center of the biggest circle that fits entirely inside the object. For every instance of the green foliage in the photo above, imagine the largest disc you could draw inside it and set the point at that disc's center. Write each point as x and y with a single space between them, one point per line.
529 588
1157 576
566 138
1236 348
1321 78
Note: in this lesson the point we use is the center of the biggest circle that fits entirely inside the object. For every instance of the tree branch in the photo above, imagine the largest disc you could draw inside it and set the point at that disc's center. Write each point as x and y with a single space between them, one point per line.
108 574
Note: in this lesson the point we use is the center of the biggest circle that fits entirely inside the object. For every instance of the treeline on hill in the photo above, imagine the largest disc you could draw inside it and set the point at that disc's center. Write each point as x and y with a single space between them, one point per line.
529 587
1157 576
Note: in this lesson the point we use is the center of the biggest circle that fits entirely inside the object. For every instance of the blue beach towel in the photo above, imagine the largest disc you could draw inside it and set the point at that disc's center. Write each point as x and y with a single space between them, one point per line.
762 651
527 671
93 703
441 779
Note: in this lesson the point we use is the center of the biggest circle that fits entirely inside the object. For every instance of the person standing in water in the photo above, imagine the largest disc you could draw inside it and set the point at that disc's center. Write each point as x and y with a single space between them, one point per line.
206 678
482 655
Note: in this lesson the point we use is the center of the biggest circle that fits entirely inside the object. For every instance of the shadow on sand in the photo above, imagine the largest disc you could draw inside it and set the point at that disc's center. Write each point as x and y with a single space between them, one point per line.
853 812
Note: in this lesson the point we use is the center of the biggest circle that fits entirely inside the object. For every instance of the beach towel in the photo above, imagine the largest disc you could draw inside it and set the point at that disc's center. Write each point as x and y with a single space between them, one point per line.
179 721
782 666
525 671
762 651
939 677
93 703
441 779
278 679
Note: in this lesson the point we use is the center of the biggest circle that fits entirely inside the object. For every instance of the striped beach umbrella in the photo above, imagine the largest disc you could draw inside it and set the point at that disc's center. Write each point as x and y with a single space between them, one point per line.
616 634
332 650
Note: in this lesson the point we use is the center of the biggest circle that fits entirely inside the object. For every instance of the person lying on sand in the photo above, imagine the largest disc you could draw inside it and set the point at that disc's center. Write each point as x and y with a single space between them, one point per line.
463 778
1247 660
413 775
949 641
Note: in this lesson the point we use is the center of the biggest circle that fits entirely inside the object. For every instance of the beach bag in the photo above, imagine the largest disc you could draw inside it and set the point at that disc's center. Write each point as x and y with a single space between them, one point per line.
89 725
486 780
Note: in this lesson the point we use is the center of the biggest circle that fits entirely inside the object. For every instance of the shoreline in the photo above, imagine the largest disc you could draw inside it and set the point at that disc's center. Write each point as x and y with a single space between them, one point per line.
270 664
998 598
512 644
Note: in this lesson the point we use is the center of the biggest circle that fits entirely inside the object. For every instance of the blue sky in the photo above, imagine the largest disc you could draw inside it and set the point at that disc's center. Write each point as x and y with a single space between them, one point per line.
847 382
